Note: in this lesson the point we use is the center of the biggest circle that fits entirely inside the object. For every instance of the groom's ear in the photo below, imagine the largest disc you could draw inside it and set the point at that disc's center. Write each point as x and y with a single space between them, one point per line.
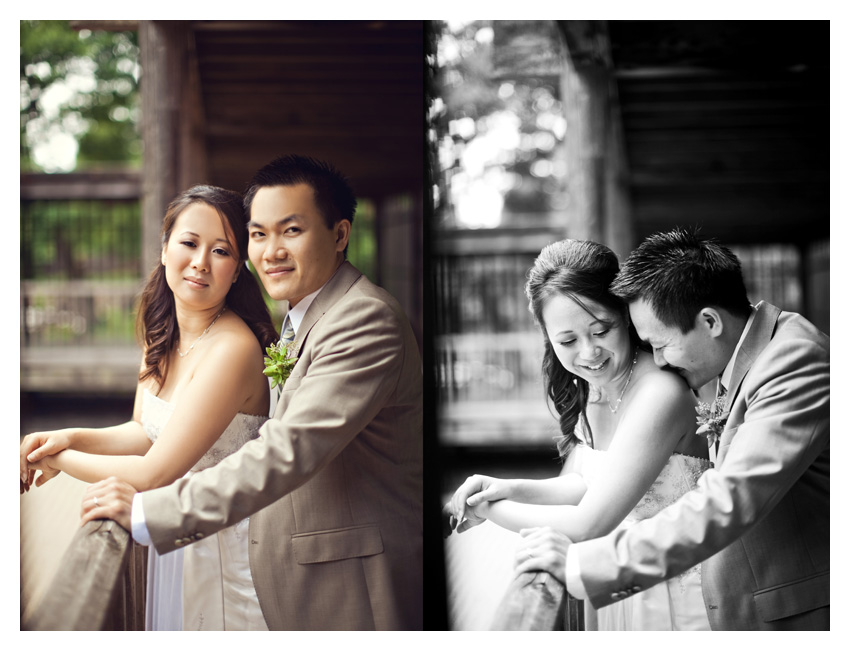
343 232
711 320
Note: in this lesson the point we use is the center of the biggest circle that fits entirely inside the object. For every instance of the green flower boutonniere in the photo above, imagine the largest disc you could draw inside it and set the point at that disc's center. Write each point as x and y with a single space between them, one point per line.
711 419
280 360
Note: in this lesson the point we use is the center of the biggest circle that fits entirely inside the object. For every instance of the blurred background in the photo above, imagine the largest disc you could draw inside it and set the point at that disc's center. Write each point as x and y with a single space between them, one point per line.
608 131
118 117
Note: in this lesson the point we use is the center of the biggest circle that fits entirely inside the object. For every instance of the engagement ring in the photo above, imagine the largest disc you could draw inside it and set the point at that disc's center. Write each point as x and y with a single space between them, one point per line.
95 500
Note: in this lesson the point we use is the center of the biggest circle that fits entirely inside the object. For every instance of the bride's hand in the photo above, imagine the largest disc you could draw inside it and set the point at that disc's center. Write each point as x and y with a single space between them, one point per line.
36 446
474 492
48 472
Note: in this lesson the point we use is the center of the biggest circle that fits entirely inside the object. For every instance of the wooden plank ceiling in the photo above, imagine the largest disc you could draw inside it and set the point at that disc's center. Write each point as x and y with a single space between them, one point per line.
349 92
726 125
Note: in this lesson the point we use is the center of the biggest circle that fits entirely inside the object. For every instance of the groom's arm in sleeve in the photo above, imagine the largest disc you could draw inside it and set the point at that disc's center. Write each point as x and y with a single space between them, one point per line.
784 430
356 354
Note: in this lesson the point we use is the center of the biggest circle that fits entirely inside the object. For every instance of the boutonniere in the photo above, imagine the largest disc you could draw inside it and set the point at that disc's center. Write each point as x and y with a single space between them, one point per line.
280 360
711 419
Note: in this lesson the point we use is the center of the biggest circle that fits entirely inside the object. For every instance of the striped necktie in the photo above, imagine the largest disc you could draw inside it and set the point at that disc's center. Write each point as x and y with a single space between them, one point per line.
287 336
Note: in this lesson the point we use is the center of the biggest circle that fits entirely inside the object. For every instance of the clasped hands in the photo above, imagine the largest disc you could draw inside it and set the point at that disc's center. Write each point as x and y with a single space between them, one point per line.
37 451
110 498
540 548
469 505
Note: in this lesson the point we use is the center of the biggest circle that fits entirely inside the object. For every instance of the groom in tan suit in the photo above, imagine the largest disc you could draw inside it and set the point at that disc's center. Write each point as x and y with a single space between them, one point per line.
334 483
759 521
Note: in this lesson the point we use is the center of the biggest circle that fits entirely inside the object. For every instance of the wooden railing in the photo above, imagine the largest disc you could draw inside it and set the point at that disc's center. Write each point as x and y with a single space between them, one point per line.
537 601
100 584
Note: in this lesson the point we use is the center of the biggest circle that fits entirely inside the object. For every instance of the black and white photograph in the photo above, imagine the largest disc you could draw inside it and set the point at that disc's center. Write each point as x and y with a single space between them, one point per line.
630 267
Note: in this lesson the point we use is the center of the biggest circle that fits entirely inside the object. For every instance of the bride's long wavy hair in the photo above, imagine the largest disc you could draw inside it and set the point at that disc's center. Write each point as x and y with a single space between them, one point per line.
156 322
582 271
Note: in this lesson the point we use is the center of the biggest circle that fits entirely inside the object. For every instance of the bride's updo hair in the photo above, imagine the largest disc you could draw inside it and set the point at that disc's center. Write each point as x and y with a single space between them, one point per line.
582 271
156 323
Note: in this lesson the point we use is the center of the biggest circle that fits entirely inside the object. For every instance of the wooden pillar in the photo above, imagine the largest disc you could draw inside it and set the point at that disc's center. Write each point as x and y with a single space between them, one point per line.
398 227
172 125
597 174
815 263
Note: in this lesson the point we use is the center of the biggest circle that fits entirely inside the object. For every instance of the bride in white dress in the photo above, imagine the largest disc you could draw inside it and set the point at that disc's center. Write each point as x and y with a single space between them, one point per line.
627 434
201 395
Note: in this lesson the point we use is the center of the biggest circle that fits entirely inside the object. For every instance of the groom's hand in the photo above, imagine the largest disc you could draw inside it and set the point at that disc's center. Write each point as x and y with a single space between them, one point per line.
542 549
110 499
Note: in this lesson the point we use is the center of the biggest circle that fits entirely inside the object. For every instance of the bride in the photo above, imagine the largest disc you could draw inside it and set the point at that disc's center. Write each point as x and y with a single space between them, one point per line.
201 395
627 434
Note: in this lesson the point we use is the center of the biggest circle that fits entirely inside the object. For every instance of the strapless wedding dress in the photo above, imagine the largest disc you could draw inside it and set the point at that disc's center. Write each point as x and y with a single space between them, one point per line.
675 604
206 585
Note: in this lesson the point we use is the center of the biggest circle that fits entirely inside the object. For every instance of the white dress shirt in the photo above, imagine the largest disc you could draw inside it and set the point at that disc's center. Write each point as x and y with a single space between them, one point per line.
575 586
139 529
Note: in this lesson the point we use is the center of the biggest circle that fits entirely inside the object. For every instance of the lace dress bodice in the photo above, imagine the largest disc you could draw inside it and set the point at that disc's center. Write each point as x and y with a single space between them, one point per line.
243 428
675 604
678 476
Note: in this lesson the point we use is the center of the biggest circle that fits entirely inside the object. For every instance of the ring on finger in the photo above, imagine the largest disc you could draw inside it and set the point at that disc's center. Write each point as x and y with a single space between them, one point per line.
95 500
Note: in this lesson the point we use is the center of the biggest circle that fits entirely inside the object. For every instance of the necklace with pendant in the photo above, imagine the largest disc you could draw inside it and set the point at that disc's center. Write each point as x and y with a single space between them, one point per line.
623 392
202 334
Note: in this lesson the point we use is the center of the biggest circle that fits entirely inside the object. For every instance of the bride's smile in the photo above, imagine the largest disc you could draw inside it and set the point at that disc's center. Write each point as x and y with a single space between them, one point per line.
589 340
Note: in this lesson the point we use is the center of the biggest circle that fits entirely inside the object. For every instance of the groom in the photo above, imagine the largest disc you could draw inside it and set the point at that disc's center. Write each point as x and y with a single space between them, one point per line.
758 522
334 483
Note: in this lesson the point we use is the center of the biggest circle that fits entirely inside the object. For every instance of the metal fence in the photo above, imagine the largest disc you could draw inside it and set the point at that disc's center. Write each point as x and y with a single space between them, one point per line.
80 272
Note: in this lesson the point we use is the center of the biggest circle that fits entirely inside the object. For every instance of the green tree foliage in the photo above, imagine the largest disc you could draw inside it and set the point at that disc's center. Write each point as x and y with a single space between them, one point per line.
82 84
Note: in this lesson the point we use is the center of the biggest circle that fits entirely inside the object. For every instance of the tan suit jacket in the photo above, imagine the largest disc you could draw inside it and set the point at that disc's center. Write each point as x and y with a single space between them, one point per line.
759 522
334 483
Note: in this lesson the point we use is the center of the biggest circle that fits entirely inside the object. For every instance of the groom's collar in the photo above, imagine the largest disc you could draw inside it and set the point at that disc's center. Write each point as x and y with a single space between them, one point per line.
296 314
726 376
322 299
765 318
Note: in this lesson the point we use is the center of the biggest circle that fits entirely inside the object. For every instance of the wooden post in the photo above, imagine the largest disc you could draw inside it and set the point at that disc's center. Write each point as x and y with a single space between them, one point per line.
597 174
576 55
397 225
172 125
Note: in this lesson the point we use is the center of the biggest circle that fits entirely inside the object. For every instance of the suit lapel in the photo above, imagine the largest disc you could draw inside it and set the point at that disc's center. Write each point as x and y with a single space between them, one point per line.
342 280
760 334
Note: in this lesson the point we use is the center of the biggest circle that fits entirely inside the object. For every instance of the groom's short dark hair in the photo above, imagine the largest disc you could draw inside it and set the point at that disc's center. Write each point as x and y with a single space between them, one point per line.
333 194
678 274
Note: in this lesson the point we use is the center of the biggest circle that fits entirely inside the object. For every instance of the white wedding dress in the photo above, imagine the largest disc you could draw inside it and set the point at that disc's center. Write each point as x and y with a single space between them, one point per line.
206 585
672 605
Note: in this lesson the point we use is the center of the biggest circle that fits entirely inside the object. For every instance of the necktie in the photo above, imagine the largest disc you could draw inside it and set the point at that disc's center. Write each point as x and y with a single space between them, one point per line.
721 393
287 336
